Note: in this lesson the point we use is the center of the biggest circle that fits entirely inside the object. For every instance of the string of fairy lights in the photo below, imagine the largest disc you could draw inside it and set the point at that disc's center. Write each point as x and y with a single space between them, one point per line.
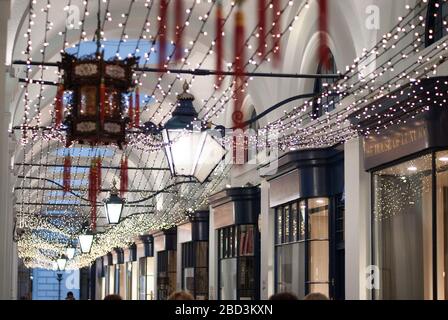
297 128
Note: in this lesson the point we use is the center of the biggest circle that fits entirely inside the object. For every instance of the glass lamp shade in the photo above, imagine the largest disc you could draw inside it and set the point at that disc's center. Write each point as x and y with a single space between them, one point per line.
192 153
85 242
113 207
62 262
70 252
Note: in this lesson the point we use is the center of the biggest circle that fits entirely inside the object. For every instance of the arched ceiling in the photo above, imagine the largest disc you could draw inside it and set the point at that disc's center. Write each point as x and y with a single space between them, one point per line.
51 218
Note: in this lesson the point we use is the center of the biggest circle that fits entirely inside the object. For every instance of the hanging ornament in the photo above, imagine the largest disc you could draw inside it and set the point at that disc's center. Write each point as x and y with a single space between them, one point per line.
131 110
94 188
239 48
103 102
66 173
99 177
137 108
162 33
59 106
219 43
261 28
179 17
276 30
324 54
124 176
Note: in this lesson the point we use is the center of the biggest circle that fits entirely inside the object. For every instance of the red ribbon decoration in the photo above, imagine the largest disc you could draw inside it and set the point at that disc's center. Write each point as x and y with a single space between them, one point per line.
103 102
219 43
66 174
59 106
131 111
179 16
276 30
239 47
162 33
324 55
137 108
94 188
261 27
239 66
124 176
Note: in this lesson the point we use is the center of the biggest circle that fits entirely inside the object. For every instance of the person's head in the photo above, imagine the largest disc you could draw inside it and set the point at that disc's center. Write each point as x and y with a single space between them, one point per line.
70 296
284 296
112 297
180 295
316 296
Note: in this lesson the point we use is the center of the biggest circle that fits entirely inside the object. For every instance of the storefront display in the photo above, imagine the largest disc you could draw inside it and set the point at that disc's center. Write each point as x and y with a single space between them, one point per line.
236 213
307 195
408 163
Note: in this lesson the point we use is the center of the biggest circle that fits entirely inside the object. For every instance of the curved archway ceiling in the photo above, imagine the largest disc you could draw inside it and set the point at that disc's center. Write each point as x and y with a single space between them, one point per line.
50 220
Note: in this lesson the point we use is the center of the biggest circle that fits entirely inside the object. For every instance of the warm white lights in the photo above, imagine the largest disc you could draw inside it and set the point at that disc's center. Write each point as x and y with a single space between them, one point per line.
412 169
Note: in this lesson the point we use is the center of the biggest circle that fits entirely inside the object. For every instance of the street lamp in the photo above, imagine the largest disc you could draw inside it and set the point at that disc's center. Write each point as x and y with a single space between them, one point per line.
113 205
85 241
191 150
70 253
62 263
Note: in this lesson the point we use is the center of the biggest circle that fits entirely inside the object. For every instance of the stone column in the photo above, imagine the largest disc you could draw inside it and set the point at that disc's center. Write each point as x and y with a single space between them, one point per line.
357 222
266 225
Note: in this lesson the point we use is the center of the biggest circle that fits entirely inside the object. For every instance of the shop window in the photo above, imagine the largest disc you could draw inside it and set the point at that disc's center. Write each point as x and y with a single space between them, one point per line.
237 263
146 278
302 247
402 227
166 273
437 21
329 100
195 268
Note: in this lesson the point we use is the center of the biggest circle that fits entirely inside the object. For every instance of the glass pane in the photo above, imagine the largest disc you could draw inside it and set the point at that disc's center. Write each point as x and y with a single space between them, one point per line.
246 240
402 226
442 225
302 207
319 288
318 261
290 269
318 218
88 101
287 221
279 225
228 279
201 254
247 278
189 280
294 220
201 278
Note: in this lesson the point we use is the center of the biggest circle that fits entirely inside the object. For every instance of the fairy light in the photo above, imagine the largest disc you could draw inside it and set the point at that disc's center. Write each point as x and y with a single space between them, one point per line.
297 128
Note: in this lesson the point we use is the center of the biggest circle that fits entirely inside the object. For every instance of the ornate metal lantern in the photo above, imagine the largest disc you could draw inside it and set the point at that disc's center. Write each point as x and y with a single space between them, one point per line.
98 88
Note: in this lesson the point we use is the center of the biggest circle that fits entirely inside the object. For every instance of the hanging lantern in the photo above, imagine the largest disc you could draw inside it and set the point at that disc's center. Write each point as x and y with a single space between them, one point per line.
98 88
114 205
191 151
62 262
85 241
70 253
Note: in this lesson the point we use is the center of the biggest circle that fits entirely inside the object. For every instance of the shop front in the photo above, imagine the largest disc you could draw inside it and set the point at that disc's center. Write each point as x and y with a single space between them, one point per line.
236 212
193 245
165 243
408 163
307 200
131 264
